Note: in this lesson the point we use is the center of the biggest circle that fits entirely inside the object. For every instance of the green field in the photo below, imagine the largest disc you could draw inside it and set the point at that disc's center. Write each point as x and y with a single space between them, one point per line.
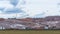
30 32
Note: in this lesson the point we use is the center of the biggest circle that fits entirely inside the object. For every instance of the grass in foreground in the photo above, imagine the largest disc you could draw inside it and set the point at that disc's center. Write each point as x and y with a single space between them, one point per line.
30 32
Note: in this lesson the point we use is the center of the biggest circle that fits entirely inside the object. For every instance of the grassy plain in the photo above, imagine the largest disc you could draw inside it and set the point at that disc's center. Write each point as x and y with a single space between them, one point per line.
30 32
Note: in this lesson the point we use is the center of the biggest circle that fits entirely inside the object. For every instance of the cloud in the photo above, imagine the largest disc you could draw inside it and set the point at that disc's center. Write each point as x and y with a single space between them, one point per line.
13 10
31 8
14 2
36 7
1 9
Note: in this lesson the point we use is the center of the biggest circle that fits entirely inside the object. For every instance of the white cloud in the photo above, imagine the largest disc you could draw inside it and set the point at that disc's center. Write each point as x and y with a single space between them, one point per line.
35 7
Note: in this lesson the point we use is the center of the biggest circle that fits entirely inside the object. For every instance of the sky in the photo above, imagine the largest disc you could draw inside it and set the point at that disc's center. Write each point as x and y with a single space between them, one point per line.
29 8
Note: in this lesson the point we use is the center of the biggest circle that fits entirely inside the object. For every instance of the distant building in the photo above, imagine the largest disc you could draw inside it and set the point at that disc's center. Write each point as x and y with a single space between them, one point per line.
1 28
18 26
46 27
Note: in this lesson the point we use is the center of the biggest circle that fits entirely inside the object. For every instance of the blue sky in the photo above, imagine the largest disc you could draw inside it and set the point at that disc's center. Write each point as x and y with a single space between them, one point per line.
29 8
